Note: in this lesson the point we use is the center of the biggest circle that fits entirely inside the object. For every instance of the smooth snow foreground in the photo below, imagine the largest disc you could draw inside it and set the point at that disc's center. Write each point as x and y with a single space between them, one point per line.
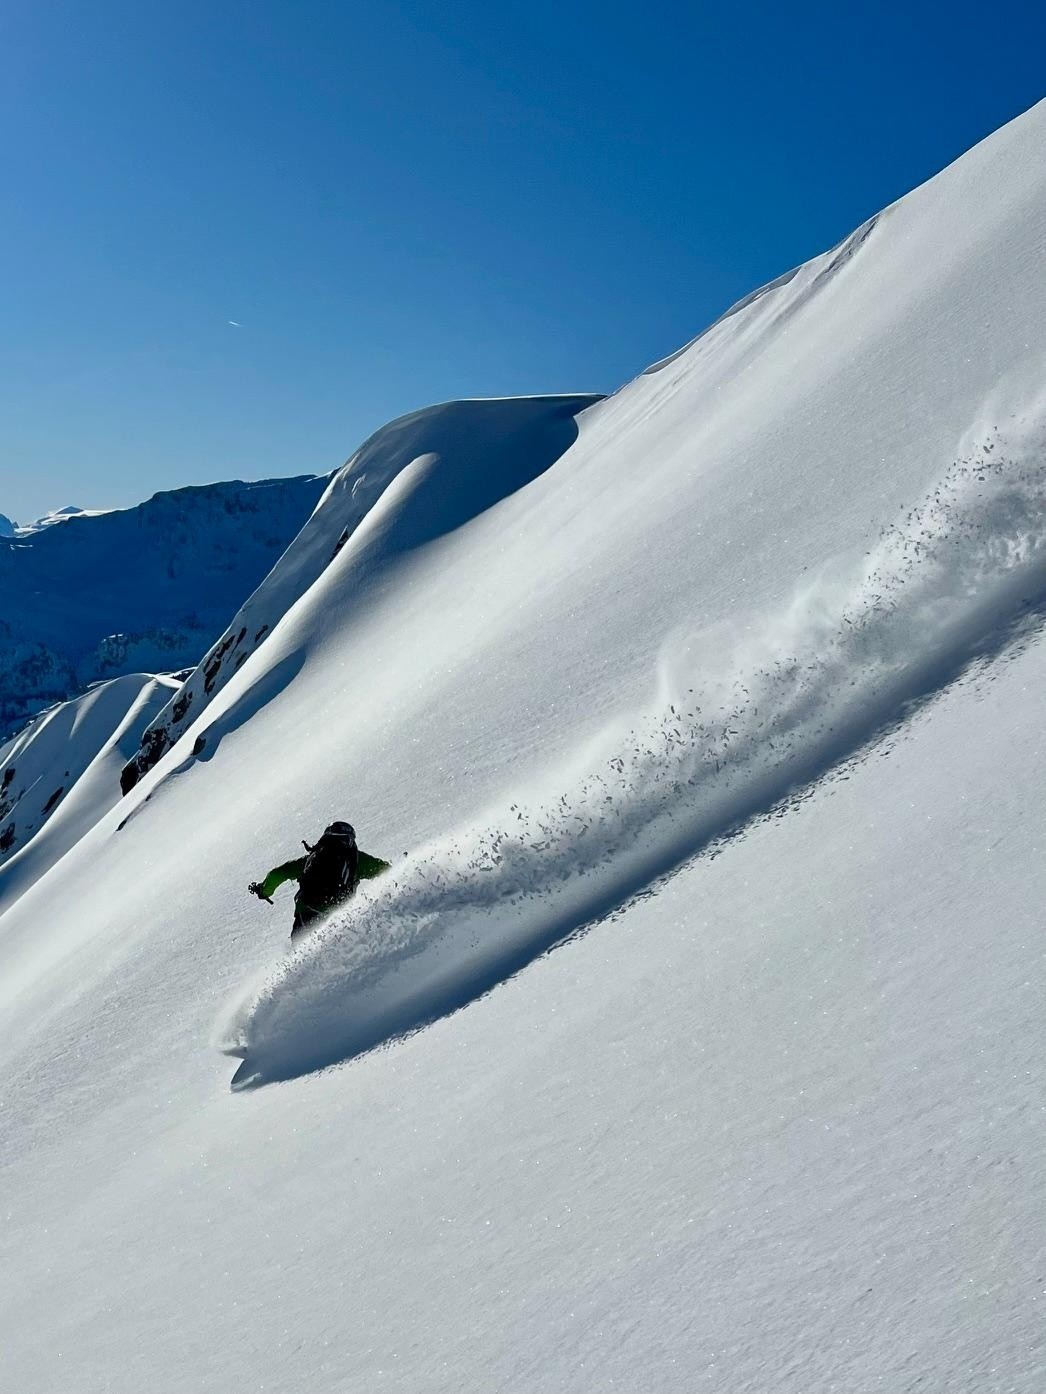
737 699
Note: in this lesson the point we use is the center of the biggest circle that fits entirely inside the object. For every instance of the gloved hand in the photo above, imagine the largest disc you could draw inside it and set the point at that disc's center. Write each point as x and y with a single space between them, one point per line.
255 889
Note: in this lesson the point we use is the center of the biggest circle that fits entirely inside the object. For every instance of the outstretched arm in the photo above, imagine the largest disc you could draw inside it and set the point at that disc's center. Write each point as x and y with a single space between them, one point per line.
289 871
370 867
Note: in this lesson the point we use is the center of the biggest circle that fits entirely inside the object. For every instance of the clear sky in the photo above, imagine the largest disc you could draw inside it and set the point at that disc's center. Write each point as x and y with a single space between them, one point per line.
399 203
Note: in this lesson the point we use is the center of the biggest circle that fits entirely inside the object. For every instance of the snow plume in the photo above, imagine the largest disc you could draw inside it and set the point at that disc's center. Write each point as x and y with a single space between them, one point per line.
956 581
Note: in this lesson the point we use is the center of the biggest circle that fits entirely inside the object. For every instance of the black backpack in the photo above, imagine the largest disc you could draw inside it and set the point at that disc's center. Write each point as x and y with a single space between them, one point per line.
331 869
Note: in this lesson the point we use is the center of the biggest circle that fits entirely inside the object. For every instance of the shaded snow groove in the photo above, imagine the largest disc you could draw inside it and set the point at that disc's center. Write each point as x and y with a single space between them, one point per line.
956 581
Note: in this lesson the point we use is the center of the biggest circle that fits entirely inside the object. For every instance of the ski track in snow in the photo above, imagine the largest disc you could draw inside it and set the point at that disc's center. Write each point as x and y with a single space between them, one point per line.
958 580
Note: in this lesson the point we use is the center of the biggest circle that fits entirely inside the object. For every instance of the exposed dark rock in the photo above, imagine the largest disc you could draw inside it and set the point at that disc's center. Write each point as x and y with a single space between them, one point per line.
213 668
7 801
154 743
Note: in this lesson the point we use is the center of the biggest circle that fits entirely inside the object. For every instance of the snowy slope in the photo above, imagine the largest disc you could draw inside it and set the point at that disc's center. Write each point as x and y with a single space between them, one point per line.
739 703
92 595
62 772
456 460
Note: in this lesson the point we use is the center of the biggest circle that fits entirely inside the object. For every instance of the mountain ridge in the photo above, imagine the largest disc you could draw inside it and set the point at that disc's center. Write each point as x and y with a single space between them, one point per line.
96 594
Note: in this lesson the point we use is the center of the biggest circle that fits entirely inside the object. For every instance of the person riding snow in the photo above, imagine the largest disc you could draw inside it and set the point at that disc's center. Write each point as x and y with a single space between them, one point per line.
329 873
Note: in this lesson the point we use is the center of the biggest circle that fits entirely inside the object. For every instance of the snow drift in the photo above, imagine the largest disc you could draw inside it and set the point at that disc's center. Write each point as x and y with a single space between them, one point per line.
414 480
958 579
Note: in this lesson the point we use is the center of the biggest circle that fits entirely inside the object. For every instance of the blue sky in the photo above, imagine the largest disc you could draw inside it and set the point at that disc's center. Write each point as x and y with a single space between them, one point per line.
402 203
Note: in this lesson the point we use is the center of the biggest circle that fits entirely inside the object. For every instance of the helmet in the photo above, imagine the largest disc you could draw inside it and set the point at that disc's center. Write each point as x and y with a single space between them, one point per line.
345 830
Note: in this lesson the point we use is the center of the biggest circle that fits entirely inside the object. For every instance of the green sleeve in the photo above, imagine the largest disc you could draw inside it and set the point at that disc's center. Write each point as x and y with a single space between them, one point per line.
289 871
369 866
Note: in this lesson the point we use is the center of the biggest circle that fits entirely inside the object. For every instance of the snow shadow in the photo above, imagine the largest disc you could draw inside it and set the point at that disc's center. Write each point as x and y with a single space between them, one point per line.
260 693
471 456
414 480
956 582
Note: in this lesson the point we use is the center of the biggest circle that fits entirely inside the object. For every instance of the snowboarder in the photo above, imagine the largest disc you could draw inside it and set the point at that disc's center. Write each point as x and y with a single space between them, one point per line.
329 873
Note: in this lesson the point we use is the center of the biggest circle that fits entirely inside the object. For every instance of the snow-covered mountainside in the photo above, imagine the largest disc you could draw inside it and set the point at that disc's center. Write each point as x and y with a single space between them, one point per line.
92 595
735 702
445 454
59 775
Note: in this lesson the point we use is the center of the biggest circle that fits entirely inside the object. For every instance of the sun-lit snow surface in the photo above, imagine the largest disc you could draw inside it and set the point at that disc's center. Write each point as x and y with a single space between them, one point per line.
59 775
417 478
958 579
771 1126
59 515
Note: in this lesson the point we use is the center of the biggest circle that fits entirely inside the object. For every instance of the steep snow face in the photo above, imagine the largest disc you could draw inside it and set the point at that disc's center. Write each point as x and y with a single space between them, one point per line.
90 595
59 775
964 574
454 461
738 704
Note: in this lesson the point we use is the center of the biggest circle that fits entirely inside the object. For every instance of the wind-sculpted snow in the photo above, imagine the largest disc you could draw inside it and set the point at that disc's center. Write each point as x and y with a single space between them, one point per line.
802 282
954 582
471 453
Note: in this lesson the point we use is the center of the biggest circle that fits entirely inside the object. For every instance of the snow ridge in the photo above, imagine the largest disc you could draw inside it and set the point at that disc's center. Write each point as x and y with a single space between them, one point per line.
474 451
59 776
809 277
953 583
